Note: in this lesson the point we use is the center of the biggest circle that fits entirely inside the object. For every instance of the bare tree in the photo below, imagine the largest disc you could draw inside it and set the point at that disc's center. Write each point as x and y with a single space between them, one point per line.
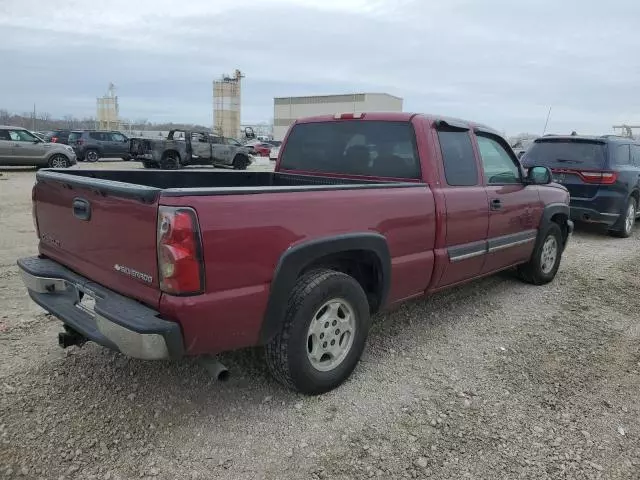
69 121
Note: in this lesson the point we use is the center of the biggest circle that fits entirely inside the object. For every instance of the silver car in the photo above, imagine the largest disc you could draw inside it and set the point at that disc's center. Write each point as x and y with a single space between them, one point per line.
20 147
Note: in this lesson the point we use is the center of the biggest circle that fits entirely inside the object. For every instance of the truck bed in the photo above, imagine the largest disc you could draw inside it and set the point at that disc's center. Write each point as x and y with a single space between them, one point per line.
148 184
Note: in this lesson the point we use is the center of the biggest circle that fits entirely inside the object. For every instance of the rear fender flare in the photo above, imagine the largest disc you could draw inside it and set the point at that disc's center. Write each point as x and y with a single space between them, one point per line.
294 261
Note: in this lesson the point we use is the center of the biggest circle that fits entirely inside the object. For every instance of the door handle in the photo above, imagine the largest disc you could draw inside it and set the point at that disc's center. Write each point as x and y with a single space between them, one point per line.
496 204
81 209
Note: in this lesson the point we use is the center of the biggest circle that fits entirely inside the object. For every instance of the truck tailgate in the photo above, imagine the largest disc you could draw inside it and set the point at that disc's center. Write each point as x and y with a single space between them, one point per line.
103 230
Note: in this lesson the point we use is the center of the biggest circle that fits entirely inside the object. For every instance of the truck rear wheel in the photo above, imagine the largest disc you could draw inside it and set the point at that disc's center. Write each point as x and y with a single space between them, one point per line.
545 260
323 334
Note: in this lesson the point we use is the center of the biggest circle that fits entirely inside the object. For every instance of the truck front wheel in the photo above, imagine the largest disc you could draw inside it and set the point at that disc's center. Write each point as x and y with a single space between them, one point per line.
545 260
170 161
323 334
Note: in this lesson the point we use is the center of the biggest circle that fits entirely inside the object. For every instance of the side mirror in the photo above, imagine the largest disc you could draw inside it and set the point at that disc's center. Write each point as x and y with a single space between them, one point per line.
539 176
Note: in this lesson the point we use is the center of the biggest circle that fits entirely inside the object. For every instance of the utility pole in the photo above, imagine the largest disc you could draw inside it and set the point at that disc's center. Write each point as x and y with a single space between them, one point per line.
546 122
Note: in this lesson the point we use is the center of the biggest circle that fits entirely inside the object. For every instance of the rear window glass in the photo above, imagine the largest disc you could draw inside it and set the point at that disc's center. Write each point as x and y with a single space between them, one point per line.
566 154
356 147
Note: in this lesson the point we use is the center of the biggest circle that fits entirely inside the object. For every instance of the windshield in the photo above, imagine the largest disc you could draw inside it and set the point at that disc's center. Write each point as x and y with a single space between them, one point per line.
566 153
356 147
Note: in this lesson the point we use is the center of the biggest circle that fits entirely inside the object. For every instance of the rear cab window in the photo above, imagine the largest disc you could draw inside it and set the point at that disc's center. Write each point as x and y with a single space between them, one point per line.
369 148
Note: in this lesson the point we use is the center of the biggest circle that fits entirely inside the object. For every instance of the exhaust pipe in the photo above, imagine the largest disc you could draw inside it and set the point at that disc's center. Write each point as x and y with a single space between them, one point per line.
70 337
215 368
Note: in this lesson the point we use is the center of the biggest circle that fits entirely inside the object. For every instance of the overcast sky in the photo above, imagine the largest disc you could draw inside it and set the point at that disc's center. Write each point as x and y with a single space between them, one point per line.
501 62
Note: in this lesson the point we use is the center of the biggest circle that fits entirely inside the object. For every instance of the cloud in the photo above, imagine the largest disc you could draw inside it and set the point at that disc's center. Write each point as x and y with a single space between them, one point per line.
498 62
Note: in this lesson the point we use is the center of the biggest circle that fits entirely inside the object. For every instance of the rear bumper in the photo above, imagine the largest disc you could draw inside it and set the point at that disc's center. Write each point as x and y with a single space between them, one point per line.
115 322
590 215
604 208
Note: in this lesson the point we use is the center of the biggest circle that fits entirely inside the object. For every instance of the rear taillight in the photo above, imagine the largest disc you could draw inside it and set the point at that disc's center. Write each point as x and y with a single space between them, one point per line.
34 213
54 139
591 176
180 261
603 178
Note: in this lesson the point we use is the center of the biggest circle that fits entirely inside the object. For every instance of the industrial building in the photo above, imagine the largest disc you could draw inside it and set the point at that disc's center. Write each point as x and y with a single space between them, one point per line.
288 109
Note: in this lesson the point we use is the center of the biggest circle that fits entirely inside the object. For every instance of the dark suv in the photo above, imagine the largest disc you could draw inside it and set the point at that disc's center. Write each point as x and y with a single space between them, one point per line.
91 145
58 136
602 175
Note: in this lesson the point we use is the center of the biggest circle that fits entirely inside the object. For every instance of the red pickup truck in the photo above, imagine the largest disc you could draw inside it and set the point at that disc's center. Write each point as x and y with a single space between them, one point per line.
362 212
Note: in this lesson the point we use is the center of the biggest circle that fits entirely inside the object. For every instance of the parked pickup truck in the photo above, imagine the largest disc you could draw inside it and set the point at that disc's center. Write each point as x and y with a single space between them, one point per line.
362 212
182 148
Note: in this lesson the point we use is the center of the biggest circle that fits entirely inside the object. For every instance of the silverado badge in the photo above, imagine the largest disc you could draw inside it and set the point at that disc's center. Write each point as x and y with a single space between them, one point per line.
133 273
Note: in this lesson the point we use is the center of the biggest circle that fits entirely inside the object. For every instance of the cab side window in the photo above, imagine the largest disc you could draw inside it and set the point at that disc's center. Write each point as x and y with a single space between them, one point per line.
499 168
621 155
635 155
460 168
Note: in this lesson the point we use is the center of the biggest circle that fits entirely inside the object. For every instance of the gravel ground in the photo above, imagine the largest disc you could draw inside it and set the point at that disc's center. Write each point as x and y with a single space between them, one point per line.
493 380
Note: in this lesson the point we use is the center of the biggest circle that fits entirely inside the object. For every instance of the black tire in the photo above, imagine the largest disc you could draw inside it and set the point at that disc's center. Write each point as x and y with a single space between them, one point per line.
170 161
126 158
240 162
534 271
147 164
622 228
287 354
91 155
59 161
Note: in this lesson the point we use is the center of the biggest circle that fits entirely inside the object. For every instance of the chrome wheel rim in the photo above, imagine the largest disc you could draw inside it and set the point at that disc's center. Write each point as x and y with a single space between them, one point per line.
330 335
549 254
92 156
58 162
630 218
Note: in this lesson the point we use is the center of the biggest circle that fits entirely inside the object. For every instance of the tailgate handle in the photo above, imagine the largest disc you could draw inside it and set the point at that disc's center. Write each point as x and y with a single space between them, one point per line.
81 209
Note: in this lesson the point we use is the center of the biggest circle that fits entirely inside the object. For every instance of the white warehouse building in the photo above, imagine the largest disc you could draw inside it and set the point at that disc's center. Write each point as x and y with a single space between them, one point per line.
288 109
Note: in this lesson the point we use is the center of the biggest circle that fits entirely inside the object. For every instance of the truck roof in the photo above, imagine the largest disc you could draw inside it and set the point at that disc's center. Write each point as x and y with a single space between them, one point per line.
405 117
